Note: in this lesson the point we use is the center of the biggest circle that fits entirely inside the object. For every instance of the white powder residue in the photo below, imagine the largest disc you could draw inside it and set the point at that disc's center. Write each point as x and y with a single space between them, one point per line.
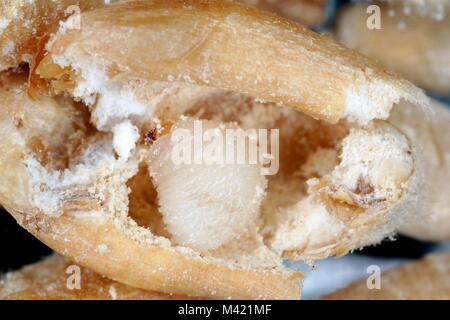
4 23
46 185
369 101
380 156
8 48
311 219
125 136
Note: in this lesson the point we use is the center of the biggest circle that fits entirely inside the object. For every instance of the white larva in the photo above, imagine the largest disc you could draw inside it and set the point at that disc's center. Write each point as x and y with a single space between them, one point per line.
205 205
